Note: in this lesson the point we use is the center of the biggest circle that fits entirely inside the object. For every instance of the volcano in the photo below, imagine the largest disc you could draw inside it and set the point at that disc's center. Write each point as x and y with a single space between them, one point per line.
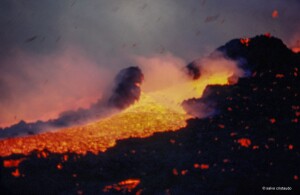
248 143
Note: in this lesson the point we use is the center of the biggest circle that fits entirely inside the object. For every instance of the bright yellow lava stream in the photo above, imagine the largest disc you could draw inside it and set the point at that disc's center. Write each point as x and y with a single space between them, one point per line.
155 112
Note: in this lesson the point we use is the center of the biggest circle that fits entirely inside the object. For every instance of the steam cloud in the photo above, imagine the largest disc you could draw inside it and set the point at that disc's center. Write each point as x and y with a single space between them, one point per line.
161 71
126 92
42 86
216 65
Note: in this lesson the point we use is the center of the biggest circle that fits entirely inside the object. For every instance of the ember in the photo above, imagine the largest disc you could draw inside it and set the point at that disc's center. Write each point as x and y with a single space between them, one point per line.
123 186
204 166
12 162
201 166
279 76
272 120
59 166
184 172
225 160
275 14
175 172
245 41
221 126
16 173
244 142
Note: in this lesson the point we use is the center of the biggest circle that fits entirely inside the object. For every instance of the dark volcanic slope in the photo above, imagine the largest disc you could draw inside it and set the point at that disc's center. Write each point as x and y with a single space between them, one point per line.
252 142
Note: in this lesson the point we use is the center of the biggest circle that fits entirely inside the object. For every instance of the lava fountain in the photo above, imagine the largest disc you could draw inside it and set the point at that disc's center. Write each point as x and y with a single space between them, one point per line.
156 111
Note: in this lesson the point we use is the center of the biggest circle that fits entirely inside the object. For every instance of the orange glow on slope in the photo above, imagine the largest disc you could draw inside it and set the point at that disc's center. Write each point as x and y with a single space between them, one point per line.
156 111
296 49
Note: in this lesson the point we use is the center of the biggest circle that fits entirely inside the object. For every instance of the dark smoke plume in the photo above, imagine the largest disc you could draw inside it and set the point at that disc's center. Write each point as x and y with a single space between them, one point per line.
193 70
127 89
126 92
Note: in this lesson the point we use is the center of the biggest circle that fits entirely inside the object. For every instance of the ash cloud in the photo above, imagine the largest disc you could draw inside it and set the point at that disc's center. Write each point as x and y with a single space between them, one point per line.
193 70
127 89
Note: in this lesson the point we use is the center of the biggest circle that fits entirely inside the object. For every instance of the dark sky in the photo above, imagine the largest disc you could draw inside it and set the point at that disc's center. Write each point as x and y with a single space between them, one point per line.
57 54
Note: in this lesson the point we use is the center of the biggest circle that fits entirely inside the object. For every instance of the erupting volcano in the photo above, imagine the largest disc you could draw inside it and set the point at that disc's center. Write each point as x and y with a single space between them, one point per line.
149 97
234 114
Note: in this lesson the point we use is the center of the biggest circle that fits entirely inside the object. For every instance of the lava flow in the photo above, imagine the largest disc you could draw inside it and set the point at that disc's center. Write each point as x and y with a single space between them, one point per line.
156 111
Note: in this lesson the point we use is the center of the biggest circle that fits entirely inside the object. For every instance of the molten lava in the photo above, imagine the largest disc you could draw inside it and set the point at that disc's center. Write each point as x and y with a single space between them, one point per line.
156 111
245 41
244 142
16 173
124 186
12 162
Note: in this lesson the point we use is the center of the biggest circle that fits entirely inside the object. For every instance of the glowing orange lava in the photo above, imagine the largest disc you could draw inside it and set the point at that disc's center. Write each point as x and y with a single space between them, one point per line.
296 49
201 166
16 173
156 111
12 162
244 142
59 166
124 186
245 41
